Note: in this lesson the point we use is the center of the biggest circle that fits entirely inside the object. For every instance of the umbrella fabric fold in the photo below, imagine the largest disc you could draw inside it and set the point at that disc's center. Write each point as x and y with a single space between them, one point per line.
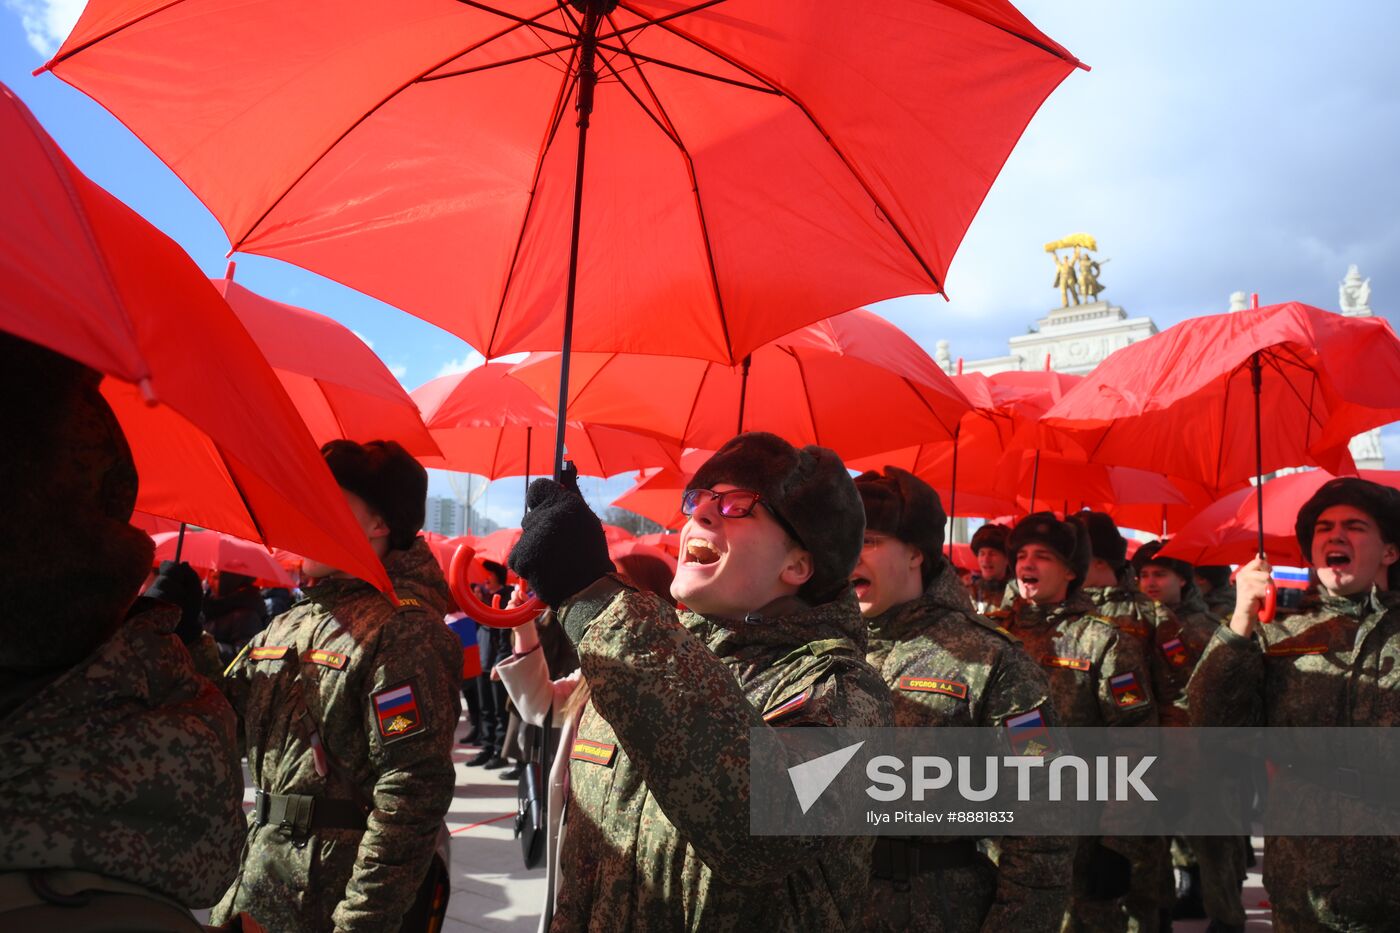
214 550
216 441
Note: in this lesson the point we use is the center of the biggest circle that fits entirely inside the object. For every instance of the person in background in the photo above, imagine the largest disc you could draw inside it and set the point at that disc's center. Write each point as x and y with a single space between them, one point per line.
234 612
494 701
989 587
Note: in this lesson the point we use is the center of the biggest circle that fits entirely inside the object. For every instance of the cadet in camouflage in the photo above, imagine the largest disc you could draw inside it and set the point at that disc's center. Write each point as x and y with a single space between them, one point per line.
1217 861
1098 677
947 666
989 546
1337 665
655 835
348 706
119 773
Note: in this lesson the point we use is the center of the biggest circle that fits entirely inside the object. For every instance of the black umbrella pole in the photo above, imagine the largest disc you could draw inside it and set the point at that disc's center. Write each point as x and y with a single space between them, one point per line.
528 431
1035 478
744 389
587 81
1256 378
953 496
180 543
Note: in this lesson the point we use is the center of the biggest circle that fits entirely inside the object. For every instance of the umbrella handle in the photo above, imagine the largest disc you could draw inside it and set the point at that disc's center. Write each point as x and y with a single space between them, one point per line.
492 616
1270 607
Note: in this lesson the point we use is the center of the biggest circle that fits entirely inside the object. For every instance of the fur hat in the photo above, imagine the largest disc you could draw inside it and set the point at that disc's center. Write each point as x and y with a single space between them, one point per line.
1382 503
1106 542
389 480
72 563
1217 575
809 489
1147 555
1068 540
992 536
900 504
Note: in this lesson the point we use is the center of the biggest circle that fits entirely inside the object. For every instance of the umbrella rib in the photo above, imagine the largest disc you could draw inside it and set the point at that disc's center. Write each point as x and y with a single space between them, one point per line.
658 20
666 130
49 65
923 401
1275 363
639 57
699 205
236 244
555 50
521 20
885 213
339 424
551 130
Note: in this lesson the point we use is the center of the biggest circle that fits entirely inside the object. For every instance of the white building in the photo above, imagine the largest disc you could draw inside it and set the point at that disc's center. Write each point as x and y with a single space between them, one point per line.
445 516
1078 338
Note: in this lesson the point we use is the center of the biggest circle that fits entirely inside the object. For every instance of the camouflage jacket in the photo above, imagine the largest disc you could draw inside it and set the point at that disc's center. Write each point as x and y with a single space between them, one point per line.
656 834
946 666
1221 601
380 685
1336 666
126 765
1130 610
1179 641
1098 672
989 594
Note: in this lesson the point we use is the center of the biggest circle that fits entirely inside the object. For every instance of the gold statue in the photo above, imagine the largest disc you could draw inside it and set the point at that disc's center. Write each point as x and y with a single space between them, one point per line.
1089 286
1064 278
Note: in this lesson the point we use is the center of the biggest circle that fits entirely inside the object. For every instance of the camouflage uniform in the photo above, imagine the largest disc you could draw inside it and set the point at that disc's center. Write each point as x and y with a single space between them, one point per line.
1221 601
1099 676
1336 666
948 667
989 594
380 685
656 834
125 765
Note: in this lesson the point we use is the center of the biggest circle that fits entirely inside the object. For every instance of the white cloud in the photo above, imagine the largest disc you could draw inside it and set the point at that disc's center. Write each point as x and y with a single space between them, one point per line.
363 339
398 371
474 359
47 22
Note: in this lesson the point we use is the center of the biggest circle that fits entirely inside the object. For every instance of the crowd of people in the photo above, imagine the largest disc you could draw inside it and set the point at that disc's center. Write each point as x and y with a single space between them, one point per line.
803 597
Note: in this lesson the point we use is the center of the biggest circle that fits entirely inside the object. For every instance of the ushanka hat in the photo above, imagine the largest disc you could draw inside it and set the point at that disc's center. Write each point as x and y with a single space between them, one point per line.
1067 540
900 504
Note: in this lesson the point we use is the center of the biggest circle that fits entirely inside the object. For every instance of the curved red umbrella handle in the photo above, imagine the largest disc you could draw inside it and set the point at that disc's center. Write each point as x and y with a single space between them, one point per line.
470 603
1270 607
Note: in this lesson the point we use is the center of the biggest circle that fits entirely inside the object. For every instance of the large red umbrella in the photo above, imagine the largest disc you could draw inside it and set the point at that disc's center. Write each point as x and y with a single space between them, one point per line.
340 388
756 164
214 550
488 423
217 443
853 382
1227 531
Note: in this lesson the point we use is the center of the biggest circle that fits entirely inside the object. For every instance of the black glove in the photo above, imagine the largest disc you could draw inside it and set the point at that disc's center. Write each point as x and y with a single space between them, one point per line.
1110 874
562 548
179 585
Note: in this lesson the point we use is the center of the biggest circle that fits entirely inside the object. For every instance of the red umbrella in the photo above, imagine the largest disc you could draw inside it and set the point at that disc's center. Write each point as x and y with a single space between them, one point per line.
756 164
216 441
657 496
340 388
854 383
666 541
213 550
489 423
1227 531
496 546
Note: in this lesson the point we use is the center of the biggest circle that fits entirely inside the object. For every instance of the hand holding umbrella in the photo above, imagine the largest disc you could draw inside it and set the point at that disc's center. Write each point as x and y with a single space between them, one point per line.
1255 596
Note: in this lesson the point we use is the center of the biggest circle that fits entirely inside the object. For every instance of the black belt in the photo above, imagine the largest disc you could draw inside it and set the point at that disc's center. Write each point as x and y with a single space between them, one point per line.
900 859
303 813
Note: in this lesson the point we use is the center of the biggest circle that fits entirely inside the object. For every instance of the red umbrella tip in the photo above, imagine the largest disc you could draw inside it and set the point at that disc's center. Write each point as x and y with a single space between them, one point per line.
228 270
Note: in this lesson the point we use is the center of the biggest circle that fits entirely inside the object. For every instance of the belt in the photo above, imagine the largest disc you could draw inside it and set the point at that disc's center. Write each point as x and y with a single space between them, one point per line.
900 859
1377 789
303 813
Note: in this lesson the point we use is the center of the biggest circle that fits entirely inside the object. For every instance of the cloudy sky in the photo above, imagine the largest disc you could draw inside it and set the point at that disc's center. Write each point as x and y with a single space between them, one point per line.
1214 147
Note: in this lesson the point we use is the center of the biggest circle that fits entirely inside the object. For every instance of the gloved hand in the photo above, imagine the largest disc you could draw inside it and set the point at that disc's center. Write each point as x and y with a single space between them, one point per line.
179 585
562 548
1110 874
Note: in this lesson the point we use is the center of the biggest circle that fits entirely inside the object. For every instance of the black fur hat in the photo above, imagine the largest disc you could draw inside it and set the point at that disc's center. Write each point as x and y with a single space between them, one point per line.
992 536
809 489
900 504
389 480
1382 503
1106 542
1147 554
1068 540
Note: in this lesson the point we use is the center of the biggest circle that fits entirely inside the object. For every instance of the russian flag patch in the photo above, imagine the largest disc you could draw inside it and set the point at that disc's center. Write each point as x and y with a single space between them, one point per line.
1127 692
1175 651
1028 734
396 709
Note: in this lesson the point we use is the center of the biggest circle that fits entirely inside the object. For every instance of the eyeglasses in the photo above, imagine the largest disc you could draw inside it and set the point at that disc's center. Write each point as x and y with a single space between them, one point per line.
734 503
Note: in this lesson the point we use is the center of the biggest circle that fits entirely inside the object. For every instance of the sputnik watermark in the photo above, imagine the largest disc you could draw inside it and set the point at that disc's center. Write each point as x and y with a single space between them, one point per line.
1113 778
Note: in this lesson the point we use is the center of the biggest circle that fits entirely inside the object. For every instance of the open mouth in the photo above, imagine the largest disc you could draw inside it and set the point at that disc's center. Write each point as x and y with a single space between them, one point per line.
1030 581
861 585
700 552
1337 558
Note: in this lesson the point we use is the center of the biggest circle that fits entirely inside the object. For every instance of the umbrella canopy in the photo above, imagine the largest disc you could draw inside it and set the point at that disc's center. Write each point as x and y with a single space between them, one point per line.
1227 531
213 550
656 496
488 423
217 443
496 546
754 165
854 383
1182 402
340 388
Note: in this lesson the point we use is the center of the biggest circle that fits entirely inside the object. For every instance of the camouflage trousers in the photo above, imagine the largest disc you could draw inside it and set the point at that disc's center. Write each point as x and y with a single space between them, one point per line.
1151 889
954 900
1221 860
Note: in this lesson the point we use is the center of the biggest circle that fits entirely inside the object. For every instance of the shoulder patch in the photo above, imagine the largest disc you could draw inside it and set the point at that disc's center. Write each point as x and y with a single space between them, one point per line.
598 753
788 706
1073 664
269 652
1028 734
987 623
1175 652
1127 692
409 601
396 709
331 659
952 688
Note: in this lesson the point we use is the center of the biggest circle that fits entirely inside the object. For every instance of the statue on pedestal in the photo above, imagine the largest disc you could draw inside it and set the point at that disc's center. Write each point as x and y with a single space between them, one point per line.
1065 279
1076 275
1089 286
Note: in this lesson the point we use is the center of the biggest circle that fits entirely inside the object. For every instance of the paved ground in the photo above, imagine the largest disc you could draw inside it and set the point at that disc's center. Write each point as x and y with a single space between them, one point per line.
491 889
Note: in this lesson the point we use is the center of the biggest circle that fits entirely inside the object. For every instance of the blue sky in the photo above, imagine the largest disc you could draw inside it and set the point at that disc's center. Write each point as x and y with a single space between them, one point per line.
1214 147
